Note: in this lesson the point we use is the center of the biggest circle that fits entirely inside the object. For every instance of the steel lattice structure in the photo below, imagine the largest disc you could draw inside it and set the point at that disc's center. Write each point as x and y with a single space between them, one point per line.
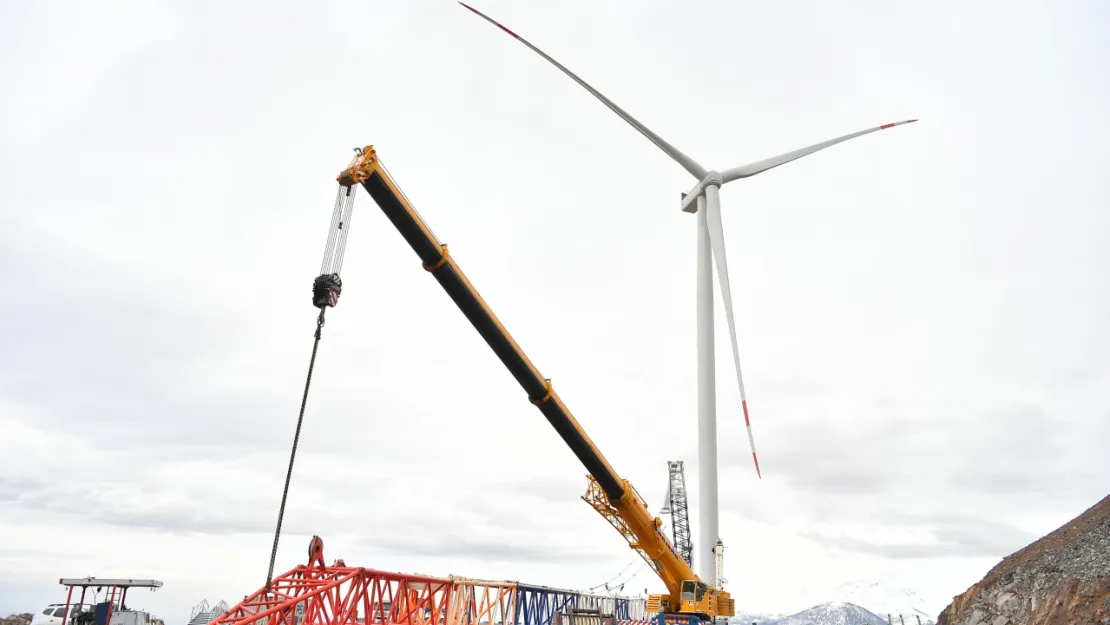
680 513
340 595
317 594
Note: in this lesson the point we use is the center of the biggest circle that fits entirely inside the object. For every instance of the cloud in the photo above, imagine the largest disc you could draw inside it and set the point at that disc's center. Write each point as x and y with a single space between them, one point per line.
942 535
502 548
101 353
924 354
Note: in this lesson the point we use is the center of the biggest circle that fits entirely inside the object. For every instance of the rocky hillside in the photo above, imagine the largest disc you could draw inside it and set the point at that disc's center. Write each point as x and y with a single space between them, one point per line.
1063 578
16 619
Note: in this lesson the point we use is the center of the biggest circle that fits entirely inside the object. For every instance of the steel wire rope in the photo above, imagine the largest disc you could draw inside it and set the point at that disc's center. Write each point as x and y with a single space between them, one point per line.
406 198
605 584
630 578
345 227
293 451
335 217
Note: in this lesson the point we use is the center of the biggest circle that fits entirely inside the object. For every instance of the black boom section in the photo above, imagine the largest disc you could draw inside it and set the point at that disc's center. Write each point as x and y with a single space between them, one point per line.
424 247
573 438
449 279
482 319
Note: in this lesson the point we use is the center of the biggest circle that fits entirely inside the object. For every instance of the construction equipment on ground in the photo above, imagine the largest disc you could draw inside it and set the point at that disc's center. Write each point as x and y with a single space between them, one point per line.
320 594
689 599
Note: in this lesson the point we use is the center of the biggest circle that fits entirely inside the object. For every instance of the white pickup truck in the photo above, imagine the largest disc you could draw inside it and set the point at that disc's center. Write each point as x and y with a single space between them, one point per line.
54 612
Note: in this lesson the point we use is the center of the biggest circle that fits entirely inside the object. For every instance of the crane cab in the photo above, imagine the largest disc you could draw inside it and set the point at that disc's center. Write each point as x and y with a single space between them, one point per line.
695 598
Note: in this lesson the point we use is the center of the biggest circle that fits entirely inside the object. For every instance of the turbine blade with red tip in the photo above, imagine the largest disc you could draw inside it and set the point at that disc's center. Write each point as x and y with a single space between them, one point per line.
751 169
717 242
686 162
751 440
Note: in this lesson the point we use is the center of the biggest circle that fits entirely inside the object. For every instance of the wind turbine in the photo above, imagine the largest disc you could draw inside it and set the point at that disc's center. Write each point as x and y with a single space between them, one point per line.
704 200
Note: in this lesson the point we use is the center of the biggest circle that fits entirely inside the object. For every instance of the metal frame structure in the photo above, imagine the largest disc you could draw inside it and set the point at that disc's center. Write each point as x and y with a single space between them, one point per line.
112 583
482 601
678 509
338 594
537 605
704 200
316 594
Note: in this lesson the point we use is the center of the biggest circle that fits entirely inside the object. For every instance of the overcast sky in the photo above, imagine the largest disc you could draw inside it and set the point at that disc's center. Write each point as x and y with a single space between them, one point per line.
922 312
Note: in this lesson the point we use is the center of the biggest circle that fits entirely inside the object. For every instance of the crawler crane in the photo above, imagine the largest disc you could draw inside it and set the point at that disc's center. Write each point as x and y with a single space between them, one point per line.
689 600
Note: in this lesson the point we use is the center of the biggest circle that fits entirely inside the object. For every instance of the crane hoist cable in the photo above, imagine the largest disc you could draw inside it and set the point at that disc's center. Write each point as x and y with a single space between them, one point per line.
325 293
606 583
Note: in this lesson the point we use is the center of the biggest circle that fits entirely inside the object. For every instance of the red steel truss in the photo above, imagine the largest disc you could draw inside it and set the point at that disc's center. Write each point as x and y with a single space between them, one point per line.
477 601
317 594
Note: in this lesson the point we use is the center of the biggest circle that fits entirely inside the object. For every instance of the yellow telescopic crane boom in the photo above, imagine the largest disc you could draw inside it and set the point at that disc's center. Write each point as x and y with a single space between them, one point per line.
689 600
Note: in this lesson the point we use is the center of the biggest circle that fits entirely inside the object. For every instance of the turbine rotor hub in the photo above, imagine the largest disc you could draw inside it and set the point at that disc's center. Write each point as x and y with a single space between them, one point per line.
689 202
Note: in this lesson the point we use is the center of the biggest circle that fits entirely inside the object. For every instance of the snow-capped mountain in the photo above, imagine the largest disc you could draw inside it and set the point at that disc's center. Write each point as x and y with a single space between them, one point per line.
747 618
883 598
832 613
868 601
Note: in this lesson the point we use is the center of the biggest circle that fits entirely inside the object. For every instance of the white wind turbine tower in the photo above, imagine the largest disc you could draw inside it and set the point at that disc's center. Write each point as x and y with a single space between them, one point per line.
704 200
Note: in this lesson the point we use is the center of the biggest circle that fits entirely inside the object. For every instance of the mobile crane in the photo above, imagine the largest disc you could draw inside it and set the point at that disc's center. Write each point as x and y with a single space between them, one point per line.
689 600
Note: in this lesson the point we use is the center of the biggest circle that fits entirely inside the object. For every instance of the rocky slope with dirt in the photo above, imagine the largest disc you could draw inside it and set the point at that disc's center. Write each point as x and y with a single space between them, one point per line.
1061 579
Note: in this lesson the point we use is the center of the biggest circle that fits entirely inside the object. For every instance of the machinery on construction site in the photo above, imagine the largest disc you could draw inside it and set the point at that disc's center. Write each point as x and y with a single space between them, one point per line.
679 511
688 600
111 610
582 616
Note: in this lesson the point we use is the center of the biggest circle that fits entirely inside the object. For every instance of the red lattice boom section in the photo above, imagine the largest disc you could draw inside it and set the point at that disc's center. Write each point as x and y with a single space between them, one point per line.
342 595
317 594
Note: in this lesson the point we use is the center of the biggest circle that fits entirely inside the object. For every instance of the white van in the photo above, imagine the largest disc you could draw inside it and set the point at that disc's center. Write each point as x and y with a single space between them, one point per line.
54 612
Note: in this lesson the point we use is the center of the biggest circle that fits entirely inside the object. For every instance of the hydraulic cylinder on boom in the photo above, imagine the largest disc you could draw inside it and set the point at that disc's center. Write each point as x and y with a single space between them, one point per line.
689 600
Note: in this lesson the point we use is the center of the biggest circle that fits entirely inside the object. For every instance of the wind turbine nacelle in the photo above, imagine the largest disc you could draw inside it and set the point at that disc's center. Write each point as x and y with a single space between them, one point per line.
689 202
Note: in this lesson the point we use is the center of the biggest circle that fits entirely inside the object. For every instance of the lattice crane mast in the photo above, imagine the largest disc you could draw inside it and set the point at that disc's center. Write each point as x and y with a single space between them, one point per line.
679 510
689 599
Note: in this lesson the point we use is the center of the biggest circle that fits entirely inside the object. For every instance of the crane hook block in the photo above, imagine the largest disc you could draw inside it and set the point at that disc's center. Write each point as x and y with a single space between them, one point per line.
326 289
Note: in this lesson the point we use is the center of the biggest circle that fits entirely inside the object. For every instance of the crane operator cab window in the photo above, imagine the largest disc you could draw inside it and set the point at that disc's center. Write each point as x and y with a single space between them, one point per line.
693 590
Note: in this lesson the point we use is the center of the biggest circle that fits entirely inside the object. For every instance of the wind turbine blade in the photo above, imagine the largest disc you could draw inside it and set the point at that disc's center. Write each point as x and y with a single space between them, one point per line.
717 242
687 163
751 169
